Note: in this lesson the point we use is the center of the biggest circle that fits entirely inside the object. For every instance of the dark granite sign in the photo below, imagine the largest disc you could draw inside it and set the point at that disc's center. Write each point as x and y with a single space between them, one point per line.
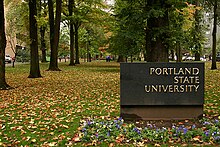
152 91
162 83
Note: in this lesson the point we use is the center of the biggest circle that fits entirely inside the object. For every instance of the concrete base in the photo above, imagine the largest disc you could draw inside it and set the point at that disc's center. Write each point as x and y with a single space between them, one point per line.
161 112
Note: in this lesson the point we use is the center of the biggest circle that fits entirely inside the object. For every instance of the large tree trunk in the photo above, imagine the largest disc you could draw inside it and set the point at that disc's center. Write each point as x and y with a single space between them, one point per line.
198 31
43 44
214 66
77 43
54 33
70 7
156 48
42 34
34 65
3 84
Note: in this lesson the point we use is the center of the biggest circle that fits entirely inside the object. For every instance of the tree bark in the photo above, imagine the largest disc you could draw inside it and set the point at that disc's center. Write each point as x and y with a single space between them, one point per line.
54 33
156 48
77 43
70 8
178 52
34 65
3 84
43 44
121 58
198 31
214 66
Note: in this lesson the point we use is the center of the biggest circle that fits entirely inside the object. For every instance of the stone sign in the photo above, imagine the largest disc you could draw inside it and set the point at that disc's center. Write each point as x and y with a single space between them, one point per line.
162 85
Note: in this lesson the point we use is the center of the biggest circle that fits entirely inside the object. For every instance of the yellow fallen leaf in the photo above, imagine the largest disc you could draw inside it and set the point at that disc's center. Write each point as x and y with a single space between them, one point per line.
52 144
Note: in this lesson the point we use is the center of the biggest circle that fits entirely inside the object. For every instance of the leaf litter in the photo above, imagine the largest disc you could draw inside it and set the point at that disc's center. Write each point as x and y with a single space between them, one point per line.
47 111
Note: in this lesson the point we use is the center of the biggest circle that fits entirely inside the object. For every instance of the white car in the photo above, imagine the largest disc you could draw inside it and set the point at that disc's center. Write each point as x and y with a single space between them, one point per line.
7 59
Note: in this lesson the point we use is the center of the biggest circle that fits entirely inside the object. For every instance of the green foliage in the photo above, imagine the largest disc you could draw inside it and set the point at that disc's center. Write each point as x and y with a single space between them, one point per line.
127 37
18 22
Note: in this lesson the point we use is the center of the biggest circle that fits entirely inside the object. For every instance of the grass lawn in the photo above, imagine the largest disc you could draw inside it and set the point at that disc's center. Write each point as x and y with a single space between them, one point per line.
47 111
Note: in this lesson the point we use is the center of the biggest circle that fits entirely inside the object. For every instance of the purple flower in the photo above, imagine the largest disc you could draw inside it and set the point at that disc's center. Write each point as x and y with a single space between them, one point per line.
193 126
150 125
96 135
137 130
216 138
108 133
216 121
185 130
120 118
206 123
117 126
214 133
84 129
89 122
206 132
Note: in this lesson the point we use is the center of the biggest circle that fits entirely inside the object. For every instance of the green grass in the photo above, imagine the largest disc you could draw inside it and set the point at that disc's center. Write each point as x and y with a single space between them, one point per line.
47 111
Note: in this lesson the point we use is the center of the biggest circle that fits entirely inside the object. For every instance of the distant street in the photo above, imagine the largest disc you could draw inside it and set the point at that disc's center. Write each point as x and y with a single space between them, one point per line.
16 63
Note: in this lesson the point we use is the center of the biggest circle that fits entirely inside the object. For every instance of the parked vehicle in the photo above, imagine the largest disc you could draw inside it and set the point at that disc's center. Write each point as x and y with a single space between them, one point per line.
7 59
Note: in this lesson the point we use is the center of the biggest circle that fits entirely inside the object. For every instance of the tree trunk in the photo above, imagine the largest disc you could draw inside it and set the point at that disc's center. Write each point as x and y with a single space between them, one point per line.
178 52
34 65
198 31
70 8
214 66
43 44
172 55
54 33
3 84
121 58
156 48
197 56
77 43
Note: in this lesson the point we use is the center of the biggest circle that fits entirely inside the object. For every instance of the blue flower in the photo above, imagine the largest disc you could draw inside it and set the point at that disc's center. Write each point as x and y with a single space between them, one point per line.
96 135
108 133
89 122
150 126
84 129
185 130
193 126
216 138
206 123
206 133
120 118
216 121
117 126
137 130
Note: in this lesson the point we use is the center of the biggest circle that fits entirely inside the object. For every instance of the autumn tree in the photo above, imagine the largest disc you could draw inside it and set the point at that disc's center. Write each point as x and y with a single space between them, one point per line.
3 84
43 22
17 27
71 29
78 13
150 20
54 33
34 64
213 6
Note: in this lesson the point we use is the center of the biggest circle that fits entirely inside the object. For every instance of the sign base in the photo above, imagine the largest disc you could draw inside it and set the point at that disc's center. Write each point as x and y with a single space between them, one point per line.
161 112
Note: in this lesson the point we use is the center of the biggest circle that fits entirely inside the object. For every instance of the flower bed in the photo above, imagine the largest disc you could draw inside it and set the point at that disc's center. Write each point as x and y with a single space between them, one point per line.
93 131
